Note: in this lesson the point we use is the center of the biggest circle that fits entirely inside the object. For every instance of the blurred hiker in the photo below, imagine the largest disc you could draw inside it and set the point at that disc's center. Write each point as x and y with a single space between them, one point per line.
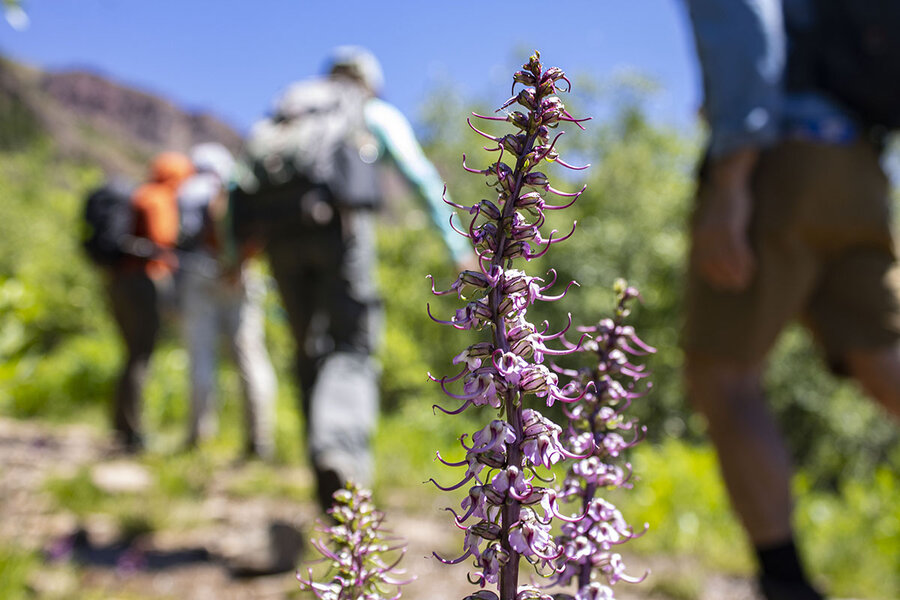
308 188
792 222
108 222
221 300
141 285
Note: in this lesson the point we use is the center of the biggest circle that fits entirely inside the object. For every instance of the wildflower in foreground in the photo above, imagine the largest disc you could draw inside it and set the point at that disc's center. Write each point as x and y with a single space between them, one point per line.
508 512
363 556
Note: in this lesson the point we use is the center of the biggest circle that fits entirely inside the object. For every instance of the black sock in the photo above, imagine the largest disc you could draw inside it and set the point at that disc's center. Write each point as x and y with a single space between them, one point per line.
780 562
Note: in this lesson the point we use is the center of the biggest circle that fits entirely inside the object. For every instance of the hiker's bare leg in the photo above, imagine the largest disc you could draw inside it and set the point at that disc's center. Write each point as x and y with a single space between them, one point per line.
752 453
878 372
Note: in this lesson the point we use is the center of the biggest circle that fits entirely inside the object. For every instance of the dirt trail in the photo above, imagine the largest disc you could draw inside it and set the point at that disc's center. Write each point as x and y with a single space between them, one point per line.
199 562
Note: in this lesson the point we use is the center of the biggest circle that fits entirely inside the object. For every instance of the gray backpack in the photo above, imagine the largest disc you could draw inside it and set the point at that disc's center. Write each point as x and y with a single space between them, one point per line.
317 140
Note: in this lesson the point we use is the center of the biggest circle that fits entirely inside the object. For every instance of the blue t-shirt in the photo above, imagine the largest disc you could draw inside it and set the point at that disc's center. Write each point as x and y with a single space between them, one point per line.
742 46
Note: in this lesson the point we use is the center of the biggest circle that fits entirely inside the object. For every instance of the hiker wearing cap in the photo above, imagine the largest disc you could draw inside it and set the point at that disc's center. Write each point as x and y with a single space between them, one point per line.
308 188
221 300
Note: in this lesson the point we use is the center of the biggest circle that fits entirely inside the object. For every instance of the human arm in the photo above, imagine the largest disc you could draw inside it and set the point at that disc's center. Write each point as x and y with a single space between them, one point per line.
721 248
396 137
741 47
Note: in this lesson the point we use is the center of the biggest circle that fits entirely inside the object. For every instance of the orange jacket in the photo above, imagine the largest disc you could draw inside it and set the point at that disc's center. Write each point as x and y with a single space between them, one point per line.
155 206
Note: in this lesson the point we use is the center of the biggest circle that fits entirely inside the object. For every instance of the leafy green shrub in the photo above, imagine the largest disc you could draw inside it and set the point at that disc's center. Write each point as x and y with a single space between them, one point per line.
853 537
78 376
681 497
15 567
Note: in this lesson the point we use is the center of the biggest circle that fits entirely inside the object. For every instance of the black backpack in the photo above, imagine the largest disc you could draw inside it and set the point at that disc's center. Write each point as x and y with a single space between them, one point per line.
852 53
316 148
108 219
195 196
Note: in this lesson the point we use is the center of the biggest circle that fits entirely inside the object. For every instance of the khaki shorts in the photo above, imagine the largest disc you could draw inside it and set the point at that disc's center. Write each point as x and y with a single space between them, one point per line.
825 255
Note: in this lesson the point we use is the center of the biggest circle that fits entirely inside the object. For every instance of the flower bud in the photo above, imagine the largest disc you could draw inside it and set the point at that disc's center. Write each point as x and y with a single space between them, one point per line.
530 200
514 142
489 210
493 496
526 99
534 65
519 119
516 250
475 279
524 77
552 74
537 179
486 530
492 458
482 595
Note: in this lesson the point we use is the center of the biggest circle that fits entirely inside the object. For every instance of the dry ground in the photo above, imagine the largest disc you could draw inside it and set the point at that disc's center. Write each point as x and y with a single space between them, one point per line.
196 562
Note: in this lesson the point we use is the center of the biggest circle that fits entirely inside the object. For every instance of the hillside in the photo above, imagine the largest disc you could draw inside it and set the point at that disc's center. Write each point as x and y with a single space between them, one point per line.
94 120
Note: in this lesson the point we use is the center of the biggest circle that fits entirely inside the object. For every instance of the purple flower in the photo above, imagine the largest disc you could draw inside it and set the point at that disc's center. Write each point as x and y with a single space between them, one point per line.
508 512
363 558
595 423
495 436
474 355
531 538
594 591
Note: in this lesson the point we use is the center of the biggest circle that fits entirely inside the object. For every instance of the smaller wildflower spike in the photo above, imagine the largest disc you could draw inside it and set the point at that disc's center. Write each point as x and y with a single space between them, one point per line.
363 556
595 429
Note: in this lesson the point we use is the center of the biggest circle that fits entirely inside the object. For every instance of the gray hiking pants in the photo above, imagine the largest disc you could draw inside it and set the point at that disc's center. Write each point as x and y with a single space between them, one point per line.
212 309
325 274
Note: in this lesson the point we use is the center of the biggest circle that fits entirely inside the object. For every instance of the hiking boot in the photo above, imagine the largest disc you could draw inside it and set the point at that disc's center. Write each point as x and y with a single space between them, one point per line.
328 481
262 452
773 589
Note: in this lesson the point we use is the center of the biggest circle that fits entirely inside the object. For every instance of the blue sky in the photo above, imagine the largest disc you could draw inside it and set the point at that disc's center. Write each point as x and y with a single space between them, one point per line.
231 57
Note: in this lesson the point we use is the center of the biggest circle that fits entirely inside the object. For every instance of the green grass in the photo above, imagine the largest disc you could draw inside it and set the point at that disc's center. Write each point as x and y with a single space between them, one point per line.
164 505
678 494
15 568
405 448
852 538
258 479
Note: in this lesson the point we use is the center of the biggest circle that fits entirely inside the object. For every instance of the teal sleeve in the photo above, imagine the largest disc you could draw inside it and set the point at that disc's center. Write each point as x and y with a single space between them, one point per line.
395 135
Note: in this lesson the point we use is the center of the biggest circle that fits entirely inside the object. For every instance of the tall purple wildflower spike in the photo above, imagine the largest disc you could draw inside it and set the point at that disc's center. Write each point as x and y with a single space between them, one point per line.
363 556
507 513
599 427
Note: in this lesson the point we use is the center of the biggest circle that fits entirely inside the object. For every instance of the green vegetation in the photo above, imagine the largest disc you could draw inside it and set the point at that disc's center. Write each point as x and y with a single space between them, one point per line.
15 567
59 354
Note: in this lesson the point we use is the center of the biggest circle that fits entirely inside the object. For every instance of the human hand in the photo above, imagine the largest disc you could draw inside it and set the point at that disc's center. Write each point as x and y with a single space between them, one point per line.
721 251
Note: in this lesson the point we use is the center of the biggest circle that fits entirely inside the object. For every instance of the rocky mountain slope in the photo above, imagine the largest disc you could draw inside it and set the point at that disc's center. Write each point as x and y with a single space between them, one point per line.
93 119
